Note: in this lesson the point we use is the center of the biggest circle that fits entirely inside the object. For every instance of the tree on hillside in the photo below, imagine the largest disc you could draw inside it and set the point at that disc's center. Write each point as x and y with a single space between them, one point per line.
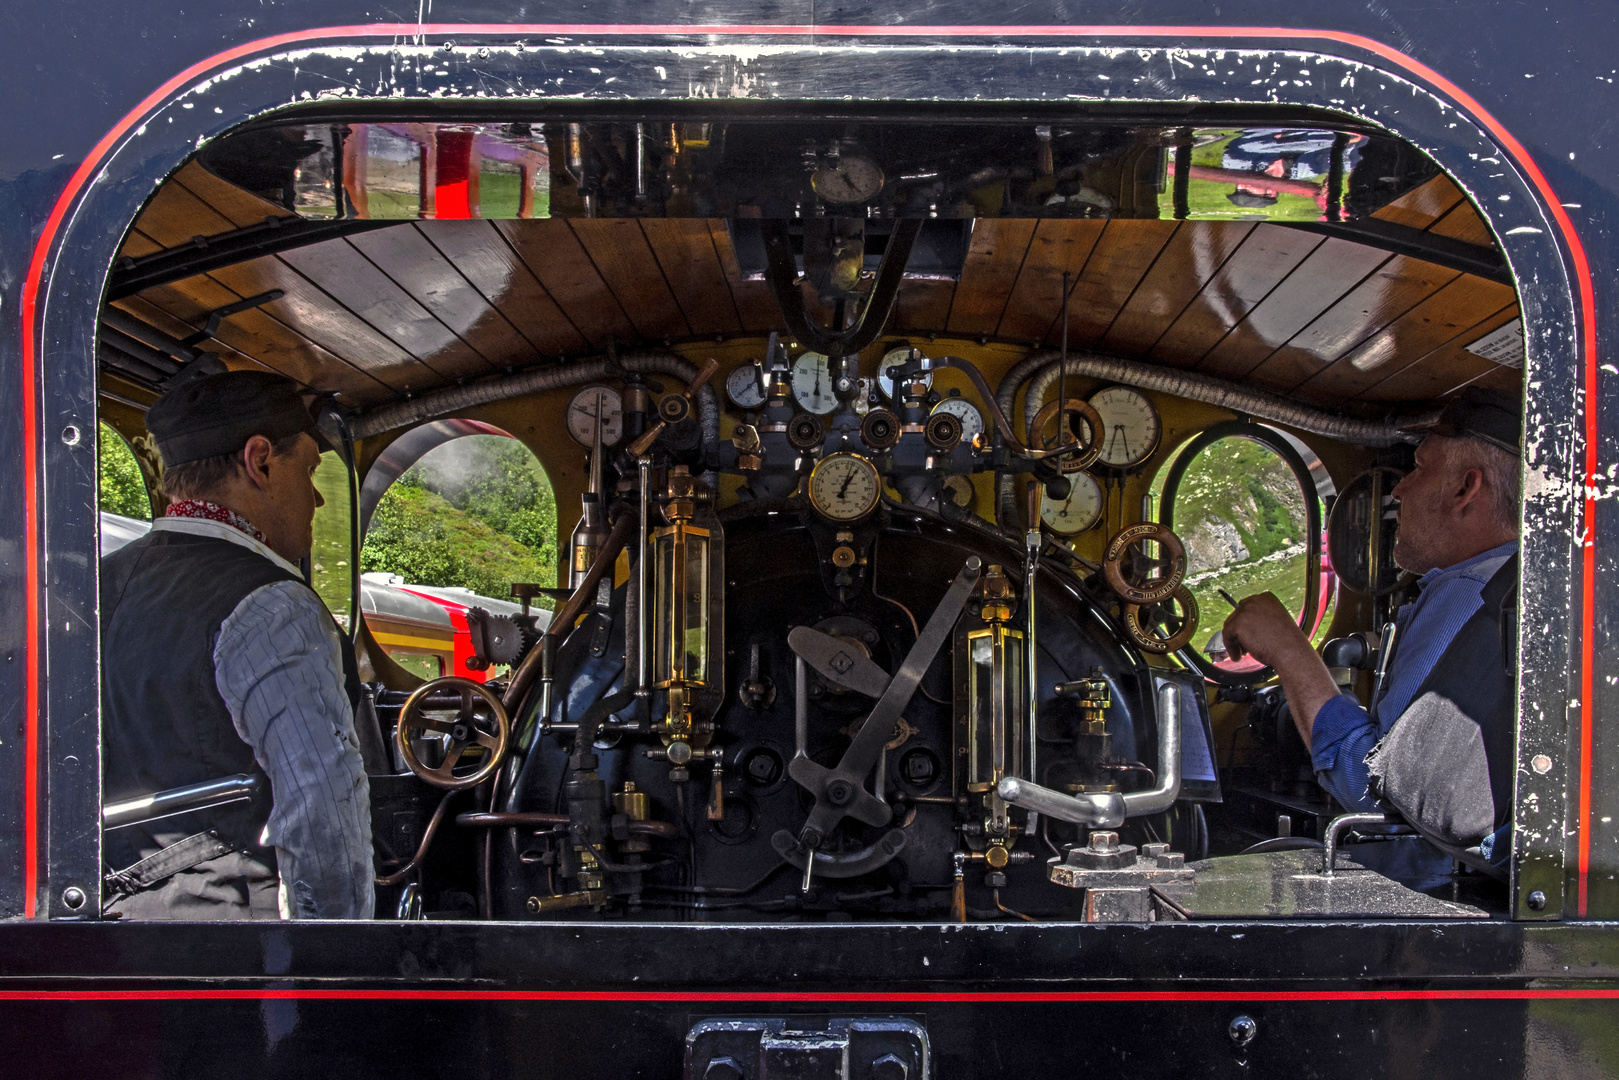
123 491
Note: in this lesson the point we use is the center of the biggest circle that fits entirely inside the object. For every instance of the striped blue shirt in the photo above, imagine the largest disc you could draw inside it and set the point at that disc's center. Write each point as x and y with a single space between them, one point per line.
279 667
1344 732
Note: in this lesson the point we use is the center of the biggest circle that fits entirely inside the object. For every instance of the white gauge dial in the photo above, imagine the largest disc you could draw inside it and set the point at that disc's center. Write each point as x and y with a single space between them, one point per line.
1132 424
892 359
1078 512
972 421
592 406
812 384
847 179
844 487
742 387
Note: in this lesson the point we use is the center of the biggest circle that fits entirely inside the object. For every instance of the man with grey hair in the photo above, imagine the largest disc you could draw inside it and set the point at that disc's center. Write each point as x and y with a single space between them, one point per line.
1459 530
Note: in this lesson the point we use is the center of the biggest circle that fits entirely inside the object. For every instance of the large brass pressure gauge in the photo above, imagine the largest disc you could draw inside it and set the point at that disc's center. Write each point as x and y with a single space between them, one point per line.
844 487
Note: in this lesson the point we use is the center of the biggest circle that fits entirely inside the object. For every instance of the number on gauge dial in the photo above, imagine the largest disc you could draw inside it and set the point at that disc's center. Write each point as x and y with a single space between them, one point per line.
1132 424
593 405
1078 512
812 384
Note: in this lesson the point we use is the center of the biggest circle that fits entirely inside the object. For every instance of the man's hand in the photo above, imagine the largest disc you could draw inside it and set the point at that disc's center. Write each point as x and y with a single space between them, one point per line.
1263 628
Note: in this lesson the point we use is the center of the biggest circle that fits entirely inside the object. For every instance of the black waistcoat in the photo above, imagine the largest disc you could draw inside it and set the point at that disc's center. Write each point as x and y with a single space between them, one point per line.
164 724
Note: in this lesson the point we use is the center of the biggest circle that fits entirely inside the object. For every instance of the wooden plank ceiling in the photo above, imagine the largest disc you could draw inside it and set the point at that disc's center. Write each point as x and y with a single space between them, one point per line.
406 309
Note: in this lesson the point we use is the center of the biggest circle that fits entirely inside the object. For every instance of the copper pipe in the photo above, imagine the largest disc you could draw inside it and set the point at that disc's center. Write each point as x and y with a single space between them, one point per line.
663 829
427 840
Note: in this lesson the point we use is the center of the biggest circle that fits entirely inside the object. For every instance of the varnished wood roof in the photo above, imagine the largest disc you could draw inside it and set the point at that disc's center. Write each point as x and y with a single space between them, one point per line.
422 304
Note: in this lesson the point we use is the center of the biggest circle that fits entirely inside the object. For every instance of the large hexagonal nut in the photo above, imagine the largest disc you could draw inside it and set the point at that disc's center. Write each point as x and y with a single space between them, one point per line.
724 1068
890 1067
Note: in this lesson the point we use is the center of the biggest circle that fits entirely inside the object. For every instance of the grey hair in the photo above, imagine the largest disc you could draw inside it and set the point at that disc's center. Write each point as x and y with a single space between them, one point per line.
1502 472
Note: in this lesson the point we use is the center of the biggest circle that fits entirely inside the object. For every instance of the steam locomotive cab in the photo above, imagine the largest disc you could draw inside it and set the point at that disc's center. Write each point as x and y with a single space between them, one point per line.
883 600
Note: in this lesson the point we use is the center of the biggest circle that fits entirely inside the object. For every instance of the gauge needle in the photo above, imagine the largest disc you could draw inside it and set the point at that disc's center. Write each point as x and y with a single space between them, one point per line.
844 490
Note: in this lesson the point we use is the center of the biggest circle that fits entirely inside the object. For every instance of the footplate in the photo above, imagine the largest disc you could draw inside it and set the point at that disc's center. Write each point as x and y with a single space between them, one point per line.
892 1048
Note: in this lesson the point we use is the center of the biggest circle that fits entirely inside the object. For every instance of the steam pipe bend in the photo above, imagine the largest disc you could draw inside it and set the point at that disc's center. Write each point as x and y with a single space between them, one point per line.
1211 391
1006 397
453 399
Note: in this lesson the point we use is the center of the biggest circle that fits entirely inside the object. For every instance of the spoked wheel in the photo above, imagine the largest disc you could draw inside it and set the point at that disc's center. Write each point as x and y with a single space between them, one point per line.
479 720
1138 573
1165 626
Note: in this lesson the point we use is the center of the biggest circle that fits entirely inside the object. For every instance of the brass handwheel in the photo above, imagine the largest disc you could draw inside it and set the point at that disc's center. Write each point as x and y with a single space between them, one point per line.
480 720
1090 444
1165 626
1137 576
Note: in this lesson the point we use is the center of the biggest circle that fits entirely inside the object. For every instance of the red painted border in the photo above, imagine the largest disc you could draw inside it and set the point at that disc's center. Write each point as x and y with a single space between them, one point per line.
655 997
421 31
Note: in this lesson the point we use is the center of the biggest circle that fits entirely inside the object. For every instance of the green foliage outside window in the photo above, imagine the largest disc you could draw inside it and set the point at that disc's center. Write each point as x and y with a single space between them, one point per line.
123 489
476 513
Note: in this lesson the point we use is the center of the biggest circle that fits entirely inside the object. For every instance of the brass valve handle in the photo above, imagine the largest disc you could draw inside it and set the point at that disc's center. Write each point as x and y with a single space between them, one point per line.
698 381
468 728
1140 578
1165 626
1087 450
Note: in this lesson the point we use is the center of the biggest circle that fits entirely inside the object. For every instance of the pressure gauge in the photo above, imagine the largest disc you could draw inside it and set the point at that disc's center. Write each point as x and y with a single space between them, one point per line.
844 487
742 387
1078 512
972 421
812 384
847 179
891 359
1132 425
592 406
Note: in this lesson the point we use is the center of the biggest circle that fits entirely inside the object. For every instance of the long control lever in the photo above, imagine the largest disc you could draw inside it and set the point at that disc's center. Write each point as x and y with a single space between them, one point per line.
840 791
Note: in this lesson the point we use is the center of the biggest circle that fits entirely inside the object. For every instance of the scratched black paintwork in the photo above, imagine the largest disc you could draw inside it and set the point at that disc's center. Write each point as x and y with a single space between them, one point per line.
71 69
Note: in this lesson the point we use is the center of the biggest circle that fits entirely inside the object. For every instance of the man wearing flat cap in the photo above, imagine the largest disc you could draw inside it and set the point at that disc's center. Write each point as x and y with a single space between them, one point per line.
1458 529
219 659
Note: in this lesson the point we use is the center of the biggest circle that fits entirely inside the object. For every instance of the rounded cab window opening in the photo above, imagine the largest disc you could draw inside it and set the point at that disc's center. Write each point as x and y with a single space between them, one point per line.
459 525
1245 516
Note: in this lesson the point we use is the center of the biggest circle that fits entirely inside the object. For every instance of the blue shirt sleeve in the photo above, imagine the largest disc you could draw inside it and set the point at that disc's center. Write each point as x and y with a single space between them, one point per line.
1340 739
278 666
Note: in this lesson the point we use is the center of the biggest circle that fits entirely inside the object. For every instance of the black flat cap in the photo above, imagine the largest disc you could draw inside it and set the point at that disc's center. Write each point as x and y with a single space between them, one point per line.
1490 415
217 414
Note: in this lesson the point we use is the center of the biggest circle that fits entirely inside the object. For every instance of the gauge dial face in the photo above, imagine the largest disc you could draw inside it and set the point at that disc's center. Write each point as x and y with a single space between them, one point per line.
1132 424
849 179
742 387
891 359
1078 512
592 406
844 487
972 421
812 384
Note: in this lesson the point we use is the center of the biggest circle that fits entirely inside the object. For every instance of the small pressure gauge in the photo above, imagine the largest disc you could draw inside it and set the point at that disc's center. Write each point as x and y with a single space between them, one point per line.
972 421
1078 512
893 358
847 178
593 406
742 387
844 487
812 384
1132 425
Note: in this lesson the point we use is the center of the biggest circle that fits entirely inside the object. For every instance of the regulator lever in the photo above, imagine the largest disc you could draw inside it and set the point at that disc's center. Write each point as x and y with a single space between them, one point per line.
840 791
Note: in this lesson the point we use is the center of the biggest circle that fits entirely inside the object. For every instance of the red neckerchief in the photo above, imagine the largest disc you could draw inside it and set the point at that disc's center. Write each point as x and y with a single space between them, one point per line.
200 508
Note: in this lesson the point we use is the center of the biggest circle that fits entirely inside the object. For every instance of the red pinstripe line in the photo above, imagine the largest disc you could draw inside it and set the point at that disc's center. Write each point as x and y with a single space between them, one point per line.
421 31
785 997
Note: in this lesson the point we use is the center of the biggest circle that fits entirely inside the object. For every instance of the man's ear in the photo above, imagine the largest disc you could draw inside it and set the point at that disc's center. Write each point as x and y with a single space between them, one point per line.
1468 491
256 457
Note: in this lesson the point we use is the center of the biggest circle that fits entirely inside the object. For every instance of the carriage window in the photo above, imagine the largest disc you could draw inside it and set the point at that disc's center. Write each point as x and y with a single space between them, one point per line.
331 560
1245 517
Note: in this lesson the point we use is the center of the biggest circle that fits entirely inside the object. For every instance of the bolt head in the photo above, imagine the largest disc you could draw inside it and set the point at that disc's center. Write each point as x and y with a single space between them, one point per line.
1102 840
839 792
1537 901
890 1067
1242 1030
73 897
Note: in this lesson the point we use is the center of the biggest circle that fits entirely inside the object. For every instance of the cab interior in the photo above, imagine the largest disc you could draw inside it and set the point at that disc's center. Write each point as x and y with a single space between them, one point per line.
796 379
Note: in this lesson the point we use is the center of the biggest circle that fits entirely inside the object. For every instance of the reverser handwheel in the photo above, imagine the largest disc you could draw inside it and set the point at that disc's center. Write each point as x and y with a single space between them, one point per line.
480 720
1048 433
1163 627
1137 575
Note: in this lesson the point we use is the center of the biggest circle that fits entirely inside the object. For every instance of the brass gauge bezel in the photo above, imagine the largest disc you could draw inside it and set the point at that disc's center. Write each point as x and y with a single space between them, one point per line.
836 509
1047 502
